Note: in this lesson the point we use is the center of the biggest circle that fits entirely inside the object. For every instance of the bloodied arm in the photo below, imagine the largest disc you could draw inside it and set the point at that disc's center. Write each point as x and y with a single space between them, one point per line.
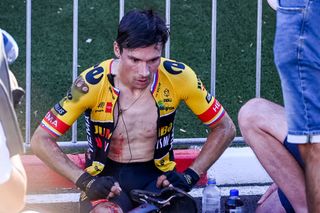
56 122
46 148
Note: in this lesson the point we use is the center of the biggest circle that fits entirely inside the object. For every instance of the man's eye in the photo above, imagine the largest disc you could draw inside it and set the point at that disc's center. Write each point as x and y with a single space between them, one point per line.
135 60
153 61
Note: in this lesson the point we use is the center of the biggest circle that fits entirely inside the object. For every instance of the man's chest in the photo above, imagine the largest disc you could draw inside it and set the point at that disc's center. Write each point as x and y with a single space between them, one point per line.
139 120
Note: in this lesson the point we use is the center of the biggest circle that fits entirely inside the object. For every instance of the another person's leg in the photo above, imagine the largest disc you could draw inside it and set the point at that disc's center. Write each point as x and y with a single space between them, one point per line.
264 128
311 154
297 56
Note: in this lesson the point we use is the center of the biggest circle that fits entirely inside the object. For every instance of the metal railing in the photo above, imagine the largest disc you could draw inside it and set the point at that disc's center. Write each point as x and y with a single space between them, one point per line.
186 141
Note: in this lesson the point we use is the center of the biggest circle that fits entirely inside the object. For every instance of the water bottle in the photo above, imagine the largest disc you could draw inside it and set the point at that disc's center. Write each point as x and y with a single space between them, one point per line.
234 204
211 197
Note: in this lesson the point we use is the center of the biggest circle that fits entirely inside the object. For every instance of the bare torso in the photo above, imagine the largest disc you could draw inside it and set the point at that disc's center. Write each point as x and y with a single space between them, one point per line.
135 135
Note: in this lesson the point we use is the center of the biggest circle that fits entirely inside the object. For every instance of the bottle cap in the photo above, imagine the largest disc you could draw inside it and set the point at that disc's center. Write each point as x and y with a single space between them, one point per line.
234 192
212 181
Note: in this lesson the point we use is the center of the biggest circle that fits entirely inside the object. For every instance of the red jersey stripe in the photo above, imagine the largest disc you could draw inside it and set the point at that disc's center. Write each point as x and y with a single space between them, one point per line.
55 123
213 110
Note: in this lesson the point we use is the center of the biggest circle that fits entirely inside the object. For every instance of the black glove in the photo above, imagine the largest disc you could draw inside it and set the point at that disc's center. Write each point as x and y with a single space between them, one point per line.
95 187
184 181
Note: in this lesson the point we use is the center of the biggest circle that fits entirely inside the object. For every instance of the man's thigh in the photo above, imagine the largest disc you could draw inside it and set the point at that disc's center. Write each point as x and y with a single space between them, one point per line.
297 56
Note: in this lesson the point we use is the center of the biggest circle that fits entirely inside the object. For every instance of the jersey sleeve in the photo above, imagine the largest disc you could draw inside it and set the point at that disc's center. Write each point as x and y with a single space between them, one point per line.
198 99
81 96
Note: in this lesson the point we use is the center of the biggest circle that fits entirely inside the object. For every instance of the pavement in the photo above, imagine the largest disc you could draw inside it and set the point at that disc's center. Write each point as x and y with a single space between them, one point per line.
249 201
236 168
67 202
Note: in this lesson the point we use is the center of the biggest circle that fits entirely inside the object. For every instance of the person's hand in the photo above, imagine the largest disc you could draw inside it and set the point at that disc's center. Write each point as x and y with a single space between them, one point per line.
184 181
98 187
273 187
5 162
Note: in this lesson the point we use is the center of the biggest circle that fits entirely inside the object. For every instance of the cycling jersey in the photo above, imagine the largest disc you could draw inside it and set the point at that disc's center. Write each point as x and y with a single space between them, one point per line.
95 94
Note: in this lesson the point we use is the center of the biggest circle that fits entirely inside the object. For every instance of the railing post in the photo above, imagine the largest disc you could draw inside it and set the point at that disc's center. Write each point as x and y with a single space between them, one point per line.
28 73
168 17
121 9
258 53
75 59
213 47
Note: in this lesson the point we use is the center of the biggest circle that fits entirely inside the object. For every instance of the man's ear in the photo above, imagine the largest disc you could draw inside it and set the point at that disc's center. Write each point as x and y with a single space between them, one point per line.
116 49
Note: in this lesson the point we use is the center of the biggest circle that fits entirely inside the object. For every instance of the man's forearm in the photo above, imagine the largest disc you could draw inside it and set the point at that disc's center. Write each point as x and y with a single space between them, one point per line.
46 148
217 142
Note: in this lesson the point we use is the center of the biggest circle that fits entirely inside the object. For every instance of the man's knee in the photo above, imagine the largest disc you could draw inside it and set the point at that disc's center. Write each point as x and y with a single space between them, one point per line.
249 113
106 207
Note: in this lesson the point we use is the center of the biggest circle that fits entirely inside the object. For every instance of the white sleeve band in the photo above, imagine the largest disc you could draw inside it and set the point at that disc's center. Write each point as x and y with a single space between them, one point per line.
5 162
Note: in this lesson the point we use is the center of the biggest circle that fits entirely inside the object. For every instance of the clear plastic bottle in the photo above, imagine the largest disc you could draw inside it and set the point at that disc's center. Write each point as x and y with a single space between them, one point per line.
234 204
211 197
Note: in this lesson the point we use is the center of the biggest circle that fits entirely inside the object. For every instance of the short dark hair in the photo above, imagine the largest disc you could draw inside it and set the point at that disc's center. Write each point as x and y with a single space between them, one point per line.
141 28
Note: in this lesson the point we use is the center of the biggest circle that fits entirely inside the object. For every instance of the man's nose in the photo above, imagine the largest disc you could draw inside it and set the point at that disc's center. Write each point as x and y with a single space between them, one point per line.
144 70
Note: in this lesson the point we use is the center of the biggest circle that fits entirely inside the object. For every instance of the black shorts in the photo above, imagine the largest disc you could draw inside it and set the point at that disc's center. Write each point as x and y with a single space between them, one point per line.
294 150
130 176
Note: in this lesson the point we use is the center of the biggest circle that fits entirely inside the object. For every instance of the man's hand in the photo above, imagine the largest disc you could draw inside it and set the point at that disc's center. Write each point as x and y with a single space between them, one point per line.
184 181
98 187
273 187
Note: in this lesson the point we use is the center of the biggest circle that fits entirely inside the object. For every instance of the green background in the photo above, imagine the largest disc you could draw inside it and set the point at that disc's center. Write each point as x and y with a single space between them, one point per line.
190 43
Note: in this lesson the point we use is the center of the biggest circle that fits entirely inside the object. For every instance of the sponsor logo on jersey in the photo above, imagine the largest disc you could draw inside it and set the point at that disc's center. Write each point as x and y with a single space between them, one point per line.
213 114
208 97
160 105
216 107
100 107
52 120
59 109
166 92
173 67
88 131
168 108
165 129
108 108
95 75
164 141
101 104
200 84
102 131
95 168
159 87
69 95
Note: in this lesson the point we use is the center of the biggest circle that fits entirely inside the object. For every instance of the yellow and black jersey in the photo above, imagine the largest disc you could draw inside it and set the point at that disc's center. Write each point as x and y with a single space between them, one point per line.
94 94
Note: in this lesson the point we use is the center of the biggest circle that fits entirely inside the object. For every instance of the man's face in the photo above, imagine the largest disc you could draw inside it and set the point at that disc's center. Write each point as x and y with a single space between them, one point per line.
138 65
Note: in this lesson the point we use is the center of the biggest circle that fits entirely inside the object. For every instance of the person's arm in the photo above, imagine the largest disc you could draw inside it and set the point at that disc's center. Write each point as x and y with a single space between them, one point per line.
46 148
221 135
218 140
13 181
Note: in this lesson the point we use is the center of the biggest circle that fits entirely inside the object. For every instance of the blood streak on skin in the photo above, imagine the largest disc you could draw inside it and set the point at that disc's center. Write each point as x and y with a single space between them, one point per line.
117 149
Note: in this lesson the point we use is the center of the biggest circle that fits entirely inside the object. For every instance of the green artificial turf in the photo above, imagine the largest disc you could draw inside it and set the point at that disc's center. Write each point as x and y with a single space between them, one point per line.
190 43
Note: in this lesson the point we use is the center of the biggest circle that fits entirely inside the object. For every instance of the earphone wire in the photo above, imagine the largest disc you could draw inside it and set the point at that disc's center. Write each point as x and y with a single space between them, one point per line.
126 129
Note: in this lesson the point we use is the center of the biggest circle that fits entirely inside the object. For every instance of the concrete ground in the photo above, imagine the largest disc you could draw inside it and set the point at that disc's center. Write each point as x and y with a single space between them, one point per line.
236 168
66 202
250 205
